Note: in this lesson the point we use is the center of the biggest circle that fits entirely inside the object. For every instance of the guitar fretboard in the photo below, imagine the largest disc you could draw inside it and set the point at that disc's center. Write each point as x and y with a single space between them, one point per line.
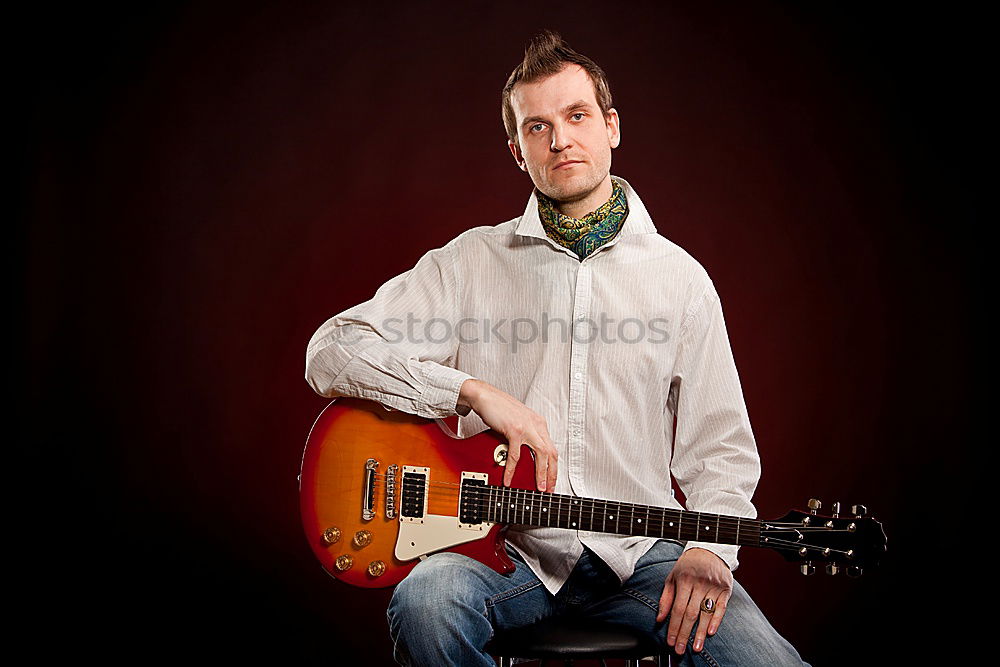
533 508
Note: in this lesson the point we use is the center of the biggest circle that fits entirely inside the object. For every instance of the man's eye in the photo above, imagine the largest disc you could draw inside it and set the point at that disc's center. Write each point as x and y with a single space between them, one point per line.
536 126
578 113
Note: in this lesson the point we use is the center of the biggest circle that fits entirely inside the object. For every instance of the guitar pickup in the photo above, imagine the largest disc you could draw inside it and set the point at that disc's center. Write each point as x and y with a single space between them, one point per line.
413 496
472 500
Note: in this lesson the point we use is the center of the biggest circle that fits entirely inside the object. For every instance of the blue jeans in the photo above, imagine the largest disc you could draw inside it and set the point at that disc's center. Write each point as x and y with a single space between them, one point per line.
448 607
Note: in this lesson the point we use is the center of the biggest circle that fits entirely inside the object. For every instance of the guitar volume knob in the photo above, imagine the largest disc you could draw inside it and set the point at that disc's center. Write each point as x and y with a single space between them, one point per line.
362 538
344 563
331 535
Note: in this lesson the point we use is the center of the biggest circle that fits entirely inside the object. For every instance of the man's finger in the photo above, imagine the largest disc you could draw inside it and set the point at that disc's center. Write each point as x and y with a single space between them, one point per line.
720 611
689 616
666 599
553 462
682 594
513 454
541 470
704 618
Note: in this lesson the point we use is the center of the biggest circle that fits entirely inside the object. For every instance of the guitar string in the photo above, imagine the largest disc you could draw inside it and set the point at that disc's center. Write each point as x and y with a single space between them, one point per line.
591 505
662 525
456 486
761 538
723 523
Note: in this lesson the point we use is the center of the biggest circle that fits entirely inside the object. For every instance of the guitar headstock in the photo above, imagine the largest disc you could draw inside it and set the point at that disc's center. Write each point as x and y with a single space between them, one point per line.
852 543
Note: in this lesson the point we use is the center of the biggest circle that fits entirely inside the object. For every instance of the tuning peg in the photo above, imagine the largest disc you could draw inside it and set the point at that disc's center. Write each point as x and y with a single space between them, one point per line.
832 569
859 511
814 505
807 568
836 509
855 571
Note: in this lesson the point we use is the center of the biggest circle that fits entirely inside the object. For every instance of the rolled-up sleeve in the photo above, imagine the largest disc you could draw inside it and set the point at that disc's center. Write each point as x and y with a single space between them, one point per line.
399 347
715 460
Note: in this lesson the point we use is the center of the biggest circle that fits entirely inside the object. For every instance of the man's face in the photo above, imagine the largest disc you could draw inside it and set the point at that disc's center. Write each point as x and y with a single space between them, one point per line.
565 140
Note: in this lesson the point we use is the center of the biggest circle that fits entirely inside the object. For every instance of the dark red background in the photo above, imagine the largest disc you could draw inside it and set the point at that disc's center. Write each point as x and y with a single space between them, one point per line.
204 185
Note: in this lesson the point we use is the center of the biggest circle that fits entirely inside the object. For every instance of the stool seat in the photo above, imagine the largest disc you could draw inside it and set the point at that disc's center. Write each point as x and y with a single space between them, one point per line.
569 638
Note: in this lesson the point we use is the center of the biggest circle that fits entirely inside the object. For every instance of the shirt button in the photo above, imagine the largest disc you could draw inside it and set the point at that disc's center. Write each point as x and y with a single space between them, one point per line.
578 376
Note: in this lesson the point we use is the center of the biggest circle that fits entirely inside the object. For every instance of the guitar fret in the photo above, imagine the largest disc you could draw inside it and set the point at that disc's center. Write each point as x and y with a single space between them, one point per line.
508 505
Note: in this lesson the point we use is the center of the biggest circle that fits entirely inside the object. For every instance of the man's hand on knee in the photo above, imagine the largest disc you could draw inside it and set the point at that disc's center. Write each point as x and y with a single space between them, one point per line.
696 590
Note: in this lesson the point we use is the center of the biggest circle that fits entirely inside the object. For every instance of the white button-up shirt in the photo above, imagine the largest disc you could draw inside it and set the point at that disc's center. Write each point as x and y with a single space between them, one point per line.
611 351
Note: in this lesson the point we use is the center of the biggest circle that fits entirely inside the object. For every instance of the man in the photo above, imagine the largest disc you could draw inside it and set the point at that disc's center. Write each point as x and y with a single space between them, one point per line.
579 332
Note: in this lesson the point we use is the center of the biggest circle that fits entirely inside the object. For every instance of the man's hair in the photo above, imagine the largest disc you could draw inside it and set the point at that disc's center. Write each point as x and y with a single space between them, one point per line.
545 55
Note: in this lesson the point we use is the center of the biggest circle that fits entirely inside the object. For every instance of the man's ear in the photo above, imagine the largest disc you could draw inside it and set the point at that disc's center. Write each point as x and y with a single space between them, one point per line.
614 128
516 152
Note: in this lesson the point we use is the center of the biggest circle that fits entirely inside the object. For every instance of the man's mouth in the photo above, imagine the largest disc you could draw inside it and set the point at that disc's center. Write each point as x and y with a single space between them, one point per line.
566 164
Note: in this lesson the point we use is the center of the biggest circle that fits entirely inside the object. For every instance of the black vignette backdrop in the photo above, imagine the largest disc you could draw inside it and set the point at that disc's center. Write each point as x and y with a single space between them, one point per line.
200 185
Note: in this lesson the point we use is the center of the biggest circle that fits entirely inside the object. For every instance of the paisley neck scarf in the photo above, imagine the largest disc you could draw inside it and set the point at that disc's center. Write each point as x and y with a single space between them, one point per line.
585 235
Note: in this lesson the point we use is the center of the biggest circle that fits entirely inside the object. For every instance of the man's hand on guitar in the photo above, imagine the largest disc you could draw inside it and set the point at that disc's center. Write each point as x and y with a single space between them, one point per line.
519 424
698 576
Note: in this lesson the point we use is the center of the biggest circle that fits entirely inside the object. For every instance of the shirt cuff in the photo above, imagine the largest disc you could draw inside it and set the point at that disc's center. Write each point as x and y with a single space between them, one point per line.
726 552
442 385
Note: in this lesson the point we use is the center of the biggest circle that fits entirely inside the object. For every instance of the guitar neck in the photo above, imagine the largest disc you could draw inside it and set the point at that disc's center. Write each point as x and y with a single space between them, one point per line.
525 507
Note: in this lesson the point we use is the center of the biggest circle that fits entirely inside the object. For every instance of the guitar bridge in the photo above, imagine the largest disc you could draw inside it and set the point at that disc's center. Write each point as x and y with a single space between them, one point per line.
390 491
368 498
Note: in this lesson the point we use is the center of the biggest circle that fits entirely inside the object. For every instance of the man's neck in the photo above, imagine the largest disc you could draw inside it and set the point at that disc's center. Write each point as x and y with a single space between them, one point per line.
591 202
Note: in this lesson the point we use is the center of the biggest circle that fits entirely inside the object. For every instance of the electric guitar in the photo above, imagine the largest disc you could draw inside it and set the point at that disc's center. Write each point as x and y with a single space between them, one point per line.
380 489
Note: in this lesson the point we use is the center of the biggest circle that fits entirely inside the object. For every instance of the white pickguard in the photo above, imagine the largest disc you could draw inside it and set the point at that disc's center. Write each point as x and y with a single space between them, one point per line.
437 532
434 532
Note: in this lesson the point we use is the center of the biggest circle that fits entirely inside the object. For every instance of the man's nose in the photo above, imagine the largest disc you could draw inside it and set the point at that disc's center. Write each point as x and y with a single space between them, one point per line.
560 138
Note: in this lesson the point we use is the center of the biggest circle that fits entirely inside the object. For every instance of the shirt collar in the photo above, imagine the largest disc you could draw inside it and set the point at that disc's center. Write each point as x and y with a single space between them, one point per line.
637 222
